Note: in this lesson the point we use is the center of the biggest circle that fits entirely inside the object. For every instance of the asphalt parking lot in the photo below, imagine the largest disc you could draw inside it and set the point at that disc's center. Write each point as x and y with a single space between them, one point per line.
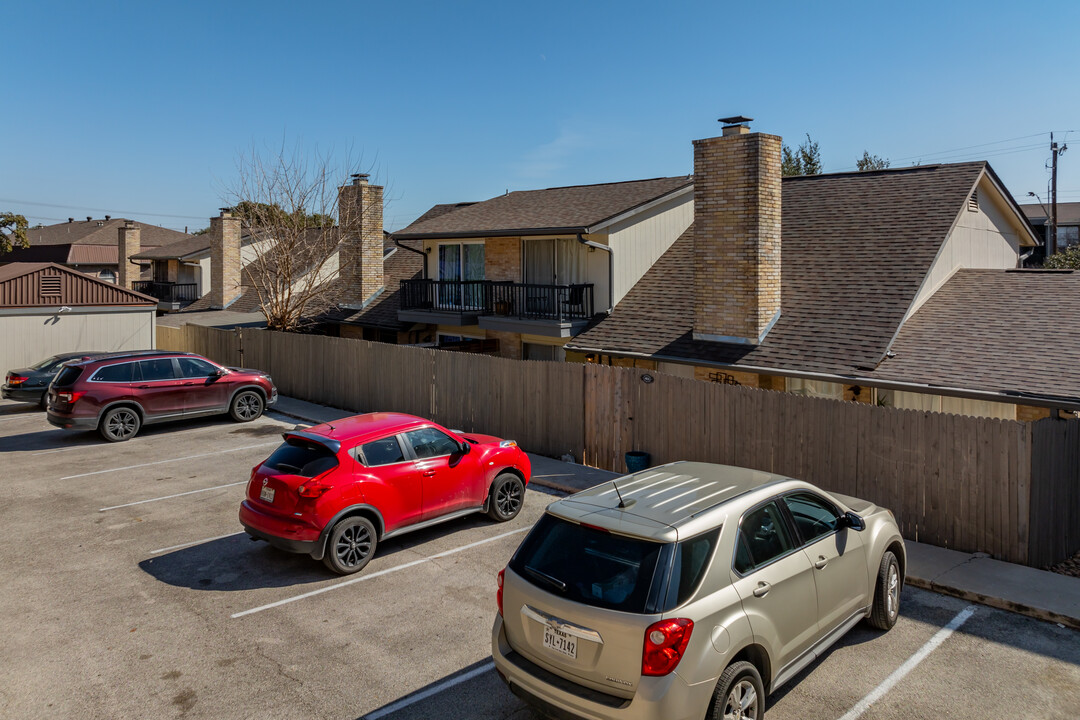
129 591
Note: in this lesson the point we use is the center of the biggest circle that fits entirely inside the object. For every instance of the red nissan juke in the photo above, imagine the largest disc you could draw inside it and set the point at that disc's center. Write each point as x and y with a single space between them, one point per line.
336 490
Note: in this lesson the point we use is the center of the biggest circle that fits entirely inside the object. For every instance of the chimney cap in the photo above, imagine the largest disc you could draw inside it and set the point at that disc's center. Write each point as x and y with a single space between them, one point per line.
225 212
129 223
735 120
360 178
88 218
71 220
108 217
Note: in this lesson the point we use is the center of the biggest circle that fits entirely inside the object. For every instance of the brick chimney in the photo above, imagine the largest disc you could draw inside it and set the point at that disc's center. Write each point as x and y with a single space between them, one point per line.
130 243
736 234
360 255
224 259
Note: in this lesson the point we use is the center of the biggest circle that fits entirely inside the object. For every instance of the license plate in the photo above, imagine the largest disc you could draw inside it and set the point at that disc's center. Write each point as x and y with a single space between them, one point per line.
267 494
560 642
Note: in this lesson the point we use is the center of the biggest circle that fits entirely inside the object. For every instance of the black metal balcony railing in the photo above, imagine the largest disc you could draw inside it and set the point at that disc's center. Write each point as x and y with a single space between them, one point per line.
177 293
508 299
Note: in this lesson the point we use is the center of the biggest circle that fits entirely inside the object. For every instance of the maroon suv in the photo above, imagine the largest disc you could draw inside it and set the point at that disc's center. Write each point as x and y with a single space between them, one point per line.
120 392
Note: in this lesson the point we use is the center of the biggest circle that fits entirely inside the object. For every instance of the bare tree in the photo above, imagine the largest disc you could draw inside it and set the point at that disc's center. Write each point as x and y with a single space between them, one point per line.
288 203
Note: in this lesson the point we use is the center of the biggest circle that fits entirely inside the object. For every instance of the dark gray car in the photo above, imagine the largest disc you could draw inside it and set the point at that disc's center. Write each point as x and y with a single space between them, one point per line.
689 591
32 384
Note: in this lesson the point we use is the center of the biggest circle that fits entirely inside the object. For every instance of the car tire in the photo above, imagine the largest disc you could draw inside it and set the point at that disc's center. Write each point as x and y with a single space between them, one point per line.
120 424
886 606
44 401
248 405
350 546
740 684
507 497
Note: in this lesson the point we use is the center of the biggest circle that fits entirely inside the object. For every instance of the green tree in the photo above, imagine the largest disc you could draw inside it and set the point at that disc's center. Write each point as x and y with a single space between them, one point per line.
871 162
803 160
12 232
1065 260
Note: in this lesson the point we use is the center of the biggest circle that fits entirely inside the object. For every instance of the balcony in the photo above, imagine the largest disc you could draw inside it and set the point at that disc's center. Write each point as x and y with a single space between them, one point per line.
553 310
170 296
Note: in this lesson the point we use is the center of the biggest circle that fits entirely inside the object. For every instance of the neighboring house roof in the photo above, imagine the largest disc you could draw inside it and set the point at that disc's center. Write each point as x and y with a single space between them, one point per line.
179 250
213 318
27 285
554 210
1068 213
971 334
87 242
856 248
398 265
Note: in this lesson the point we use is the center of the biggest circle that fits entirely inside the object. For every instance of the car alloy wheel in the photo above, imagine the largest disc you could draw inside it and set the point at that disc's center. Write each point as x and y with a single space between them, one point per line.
893 598
886 604
507 496
741 702
350 546
247 406
120 424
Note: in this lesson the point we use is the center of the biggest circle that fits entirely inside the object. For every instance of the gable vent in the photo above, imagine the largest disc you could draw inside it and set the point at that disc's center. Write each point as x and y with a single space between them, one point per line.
973 201
50 285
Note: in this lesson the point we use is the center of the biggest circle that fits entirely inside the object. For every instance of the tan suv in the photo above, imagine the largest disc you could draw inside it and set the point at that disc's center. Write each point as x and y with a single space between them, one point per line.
689 591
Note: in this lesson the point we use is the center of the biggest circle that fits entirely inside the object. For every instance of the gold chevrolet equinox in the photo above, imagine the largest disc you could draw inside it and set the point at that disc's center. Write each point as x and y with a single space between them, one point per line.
689 591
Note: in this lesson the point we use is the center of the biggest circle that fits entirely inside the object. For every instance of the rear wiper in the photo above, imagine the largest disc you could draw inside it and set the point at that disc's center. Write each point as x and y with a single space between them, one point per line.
546 578
287 468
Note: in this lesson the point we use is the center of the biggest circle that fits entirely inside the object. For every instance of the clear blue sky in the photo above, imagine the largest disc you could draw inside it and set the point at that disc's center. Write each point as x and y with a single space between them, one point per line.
140 109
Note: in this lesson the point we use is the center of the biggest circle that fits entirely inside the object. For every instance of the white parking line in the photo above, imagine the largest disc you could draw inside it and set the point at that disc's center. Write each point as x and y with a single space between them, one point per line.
433 690
50 452
170 497
195 542
162 462
374 575
890 682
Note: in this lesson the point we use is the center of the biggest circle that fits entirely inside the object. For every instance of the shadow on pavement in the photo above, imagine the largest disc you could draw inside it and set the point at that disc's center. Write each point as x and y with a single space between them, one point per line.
238 563
474 692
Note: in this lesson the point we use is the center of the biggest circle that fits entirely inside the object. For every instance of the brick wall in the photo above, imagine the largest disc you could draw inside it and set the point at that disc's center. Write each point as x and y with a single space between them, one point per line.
360 215
130 244
737 235
509 343
502 259
224 260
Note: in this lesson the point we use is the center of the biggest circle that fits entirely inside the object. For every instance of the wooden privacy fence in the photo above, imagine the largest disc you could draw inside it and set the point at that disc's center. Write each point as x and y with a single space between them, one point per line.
1006 488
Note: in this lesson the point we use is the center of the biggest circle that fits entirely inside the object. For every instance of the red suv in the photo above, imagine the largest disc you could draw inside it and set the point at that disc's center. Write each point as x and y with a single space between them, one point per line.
119 393
334 491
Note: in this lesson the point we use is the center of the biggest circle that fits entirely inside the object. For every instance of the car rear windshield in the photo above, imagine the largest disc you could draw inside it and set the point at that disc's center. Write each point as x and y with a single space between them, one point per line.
595 567
47 364
588 565
68 376
300 457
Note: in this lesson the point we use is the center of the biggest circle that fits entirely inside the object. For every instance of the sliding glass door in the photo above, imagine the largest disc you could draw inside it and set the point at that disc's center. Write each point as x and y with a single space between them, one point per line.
462 263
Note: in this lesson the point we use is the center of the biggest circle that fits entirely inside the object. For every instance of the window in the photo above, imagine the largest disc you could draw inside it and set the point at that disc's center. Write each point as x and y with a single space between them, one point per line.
382 452
114 373
461 262
68 376
107 276
813 516
195 368
299 457
48 363
765 536
430 443
535 351
588 566
691 560
815 388
157 369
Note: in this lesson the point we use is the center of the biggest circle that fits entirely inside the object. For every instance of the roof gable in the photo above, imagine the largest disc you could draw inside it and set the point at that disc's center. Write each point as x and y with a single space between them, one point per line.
49 285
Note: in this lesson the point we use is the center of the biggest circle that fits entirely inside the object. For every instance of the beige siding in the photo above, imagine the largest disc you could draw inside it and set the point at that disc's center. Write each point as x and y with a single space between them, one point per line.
946 404
640 241
30 338
984 239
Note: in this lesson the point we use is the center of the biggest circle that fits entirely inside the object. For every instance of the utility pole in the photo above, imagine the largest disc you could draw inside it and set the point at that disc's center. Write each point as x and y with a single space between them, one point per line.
1054 152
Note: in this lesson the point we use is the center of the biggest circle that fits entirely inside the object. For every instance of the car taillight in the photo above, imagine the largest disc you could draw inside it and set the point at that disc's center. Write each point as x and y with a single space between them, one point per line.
69 397
312 489
498 593
665 642
16 379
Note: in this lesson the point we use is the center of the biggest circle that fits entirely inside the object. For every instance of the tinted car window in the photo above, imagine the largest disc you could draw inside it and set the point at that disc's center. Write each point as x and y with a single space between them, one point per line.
429 443
296 457
813 516
68 376
114 373
47 364
157 369
765 534
195 368
691 560
588 566
382 452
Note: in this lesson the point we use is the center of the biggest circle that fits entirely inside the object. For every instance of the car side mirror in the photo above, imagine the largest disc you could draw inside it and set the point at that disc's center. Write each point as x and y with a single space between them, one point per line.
853 521
220 372
466 447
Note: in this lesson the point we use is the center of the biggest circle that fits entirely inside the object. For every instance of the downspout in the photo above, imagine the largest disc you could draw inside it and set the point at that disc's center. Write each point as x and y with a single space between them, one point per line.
421 253
1023 258
610 268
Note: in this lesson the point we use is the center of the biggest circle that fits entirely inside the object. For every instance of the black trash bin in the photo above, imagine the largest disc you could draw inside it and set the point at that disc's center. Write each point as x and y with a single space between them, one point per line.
636 461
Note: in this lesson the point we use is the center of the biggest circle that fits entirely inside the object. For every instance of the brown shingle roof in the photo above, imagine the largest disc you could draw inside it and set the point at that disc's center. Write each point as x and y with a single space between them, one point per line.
180 249
99 232
564 208
856 248
973 334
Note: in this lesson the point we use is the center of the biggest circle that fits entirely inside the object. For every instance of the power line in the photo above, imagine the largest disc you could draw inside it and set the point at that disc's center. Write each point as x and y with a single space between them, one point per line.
101 210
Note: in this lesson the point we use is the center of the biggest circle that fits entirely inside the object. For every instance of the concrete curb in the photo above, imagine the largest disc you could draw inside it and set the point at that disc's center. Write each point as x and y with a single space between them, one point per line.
995 602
